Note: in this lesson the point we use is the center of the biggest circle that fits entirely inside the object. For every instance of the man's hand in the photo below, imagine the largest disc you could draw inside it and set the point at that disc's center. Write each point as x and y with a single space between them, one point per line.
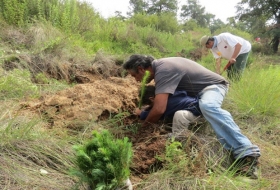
137 111
158 109
232 60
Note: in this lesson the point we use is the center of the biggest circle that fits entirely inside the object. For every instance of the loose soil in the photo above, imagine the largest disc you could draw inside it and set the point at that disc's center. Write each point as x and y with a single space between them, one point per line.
98 100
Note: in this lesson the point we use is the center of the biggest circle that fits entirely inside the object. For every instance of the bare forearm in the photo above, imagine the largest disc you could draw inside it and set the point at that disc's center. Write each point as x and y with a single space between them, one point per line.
158 109
235 53
153 117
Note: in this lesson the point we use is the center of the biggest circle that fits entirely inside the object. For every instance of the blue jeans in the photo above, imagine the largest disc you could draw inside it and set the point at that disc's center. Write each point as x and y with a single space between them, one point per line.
227 131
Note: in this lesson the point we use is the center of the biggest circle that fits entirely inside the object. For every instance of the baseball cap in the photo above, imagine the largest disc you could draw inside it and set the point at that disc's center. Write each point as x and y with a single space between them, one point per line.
204 40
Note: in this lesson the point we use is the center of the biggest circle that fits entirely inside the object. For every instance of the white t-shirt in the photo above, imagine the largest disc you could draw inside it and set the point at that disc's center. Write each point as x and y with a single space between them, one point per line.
226 44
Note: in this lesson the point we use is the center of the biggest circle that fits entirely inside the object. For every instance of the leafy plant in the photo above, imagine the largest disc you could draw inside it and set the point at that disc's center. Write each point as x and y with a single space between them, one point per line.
103 162
174 158
143 87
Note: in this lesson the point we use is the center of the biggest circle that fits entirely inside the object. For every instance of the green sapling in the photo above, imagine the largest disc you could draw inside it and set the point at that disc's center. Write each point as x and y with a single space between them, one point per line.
143 86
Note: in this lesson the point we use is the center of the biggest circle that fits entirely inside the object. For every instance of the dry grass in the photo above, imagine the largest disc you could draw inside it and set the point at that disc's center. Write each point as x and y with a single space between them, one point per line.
26 147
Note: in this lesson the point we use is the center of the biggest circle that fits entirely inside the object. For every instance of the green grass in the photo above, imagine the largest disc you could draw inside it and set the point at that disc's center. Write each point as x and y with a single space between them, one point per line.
258 92
17 84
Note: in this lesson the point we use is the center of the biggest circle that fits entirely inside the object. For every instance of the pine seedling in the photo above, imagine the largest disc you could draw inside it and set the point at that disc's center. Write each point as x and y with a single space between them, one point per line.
143 86
103 162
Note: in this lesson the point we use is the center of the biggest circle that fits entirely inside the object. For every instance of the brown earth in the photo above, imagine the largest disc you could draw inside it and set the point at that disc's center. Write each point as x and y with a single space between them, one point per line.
96 100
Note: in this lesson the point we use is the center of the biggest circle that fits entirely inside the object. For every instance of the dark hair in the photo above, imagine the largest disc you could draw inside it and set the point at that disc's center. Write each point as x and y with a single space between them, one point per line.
210 39
148 92
136 60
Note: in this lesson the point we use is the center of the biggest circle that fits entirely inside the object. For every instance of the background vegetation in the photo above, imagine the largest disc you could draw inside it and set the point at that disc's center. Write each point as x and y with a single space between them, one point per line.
42 43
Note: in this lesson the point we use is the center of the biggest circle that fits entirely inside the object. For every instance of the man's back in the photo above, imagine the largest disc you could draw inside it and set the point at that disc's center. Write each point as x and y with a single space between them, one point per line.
176 73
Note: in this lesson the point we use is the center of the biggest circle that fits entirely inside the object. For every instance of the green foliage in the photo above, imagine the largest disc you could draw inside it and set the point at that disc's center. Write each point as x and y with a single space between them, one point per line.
138 6
248 9
10 133
175 158
153 6
166 22
143 86
258 14
144 20
14 11
103 162
263 48
118 37
162 6
50 85
263 100
216 24
69 18
193 10
146 34
63 14
88 18
117 119
190 25
209 61
17 84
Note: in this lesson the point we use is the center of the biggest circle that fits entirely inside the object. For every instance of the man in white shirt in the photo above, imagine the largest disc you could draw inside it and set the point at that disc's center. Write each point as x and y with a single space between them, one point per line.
233 48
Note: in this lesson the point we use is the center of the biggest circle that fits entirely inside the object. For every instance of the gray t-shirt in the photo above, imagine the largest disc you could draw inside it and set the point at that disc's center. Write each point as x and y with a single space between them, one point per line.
183 74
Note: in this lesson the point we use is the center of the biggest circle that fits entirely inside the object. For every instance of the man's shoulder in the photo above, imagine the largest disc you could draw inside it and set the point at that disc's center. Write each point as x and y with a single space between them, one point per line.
225 34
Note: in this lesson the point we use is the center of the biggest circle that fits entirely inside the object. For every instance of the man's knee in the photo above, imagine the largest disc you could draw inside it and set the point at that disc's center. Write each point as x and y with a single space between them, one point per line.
184 115
205 106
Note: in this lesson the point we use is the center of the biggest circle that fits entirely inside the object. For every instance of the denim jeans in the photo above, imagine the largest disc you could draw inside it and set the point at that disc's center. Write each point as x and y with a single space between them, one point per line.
227 131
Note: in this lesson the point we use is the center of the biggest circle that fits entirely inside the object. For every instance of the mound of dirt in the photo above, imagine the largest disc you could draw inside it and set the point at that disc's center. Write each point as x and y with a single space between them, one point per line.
87 102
